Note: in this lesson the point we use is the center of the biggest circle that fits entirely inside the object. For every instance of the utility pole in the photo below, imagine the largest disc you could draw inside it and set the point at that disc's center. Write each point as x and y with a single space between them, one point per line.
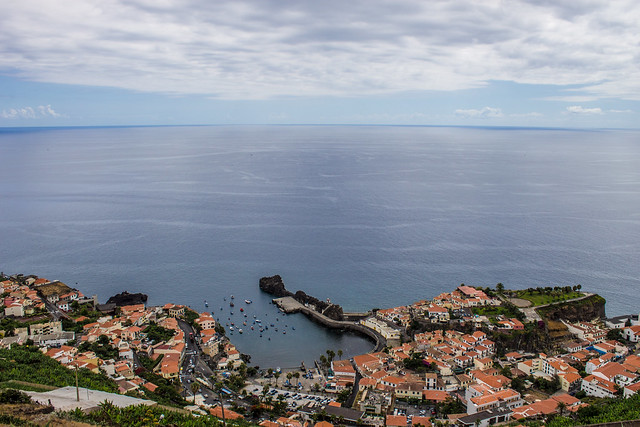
77 389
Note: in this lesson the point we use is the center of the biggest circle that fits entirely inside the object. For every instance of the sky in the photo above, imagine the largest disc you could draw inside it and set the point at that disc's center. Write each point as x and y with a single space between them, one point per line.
545 63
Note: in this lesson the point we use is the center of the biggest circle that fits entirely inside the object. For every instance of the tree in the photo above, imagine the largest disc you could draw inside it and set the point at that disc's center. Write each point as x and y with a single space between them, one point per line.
277 375
500 288
323 360
339 353
614 334
195 388
331 354
561 406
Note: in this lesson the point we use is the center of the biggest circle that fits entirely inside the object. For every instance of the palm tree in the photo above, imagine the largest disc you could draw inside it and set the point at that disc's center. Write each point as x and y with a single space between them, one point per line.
339 353
561 406
277 375
195 387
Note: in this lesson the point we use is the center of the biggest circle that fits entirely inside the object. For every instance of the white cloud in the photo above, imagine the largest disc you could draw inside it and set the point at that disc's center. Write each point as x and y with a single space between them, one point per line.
620 111
253 49
39 112
577 109
484 113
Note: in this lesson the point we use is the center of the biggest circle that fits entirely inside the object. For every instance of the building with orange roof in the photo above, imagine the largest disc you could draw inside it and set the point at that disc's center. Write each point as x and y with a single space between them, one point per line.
396 420
598 387
216 411
421 421
570 381
435 395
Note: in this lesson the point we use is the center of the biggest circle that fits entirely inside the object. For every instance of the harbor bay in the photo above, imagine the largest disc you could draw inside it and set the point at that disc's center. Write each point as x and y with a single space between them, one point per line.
369 217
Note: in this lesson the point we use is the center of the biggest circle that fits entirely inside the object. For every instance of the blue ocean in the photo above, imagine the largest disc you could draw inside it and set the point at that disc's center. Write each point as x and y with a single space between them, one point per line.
367 216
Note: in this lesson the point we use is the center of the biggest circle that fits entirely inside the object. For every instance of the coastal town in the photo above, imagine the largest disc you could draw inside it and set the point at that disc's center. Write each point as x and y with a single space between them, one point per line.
475 356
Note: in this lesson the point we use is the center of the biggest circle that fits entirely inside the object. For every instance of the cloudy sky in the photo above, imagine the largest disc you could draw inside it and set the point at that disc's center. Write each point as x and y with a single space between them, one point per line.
557 63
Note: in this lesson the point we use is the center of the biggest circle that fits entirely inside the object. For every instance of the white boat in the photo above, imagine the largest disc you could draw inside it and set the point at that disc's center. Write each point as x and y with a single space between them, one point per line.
248 301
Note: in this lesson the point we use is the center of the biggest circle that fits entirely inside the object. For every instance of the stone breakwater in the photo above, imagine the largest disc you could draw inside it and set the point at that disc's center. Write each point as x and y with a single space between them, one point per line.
289 305
325 313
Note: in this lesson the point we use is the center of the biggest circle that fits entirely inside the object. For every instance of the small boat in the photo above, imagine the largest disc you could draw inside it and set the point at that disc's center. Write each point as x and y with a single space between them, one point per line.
284 332
248 301
252 328
206 304
241 309
231 304
231 328
240 330
231 296
292 328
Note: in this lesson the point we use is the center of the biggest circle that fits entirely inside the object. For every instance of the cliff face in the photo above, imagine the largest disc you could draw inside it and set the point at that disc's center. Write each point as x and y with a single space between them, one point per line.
275 286
584 310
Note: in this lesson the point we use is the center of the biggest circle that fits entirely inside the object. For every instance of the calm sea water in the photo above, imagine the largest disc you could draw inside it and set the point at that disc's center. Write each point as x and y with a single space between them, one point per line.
365 216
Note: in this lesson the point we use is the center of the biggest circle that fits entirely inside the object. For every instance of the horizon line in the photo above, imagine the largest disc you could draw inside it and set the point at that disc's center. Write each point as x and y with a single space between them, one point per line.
497 127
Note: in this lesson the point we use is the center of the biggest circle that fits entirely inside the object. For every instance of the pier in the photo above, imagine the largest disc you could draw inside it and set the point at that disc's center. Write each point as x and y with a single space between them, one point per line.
290 305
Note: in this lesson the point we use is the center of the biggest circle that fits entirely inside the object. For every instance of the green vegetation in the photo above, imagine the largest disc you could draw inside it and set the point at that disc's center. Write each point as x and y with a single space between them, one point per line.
80 310
530 339
148 363
9 324
417 364
10 420
25 363
110 415
506 309
166 393
451 406
190 317
157 333
21 385
14 396
604 411
101 347
548 295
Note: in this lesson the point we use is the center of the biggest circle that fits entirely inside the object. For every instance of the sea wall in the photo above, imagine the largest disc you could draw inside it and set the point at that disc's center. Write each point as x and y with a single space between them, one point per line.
289 305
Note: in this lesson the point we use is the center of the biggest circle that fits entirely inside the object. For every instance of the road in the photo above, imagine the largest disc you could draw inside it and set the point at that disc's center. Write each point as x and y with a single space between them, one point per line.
193 364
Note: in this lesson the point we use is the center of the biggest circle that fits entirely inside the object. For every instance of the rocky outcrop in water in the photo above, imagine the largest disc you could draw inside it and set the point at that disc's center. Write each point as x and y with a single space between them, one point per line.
125 298
275 286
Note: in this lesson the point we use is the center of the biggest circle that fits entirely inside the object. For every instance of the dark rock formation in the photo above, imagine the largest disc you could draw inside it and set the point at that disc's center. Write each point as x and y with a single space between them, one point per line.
586 309
125 298
275 286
